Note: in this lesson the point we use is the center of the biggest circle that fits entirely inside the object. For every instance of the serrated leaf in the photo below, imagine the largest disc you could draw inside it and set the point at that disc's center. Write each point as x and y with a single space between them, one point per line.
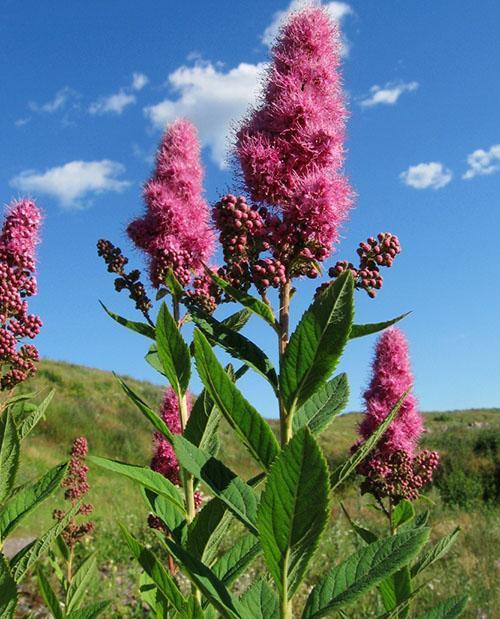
203 423
402 513
89 612
9 454
251 428
190 610
139 327
81 582
154 360
205 580
365 534
172 351
317 343
30 554
230 565
261 601
375 327
25 425
28 498
342 472
154 569
175 287
168 513
225 484
396 592
8 590
346 582
323 406
252 303
49 596
146 410
449 609
293 510
207 530
435 553
146 477
236 345
238 320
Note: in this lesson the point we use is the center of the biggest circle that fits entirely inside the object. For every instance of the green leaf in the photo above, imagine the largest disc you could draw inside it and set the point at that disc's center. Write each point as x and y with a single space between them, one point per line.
28 498
261 601
346 582
342 472
317 343
323 406
154 360
29 555
252 303
49 597
435 553
82 580
8 590
225 484
9 454
230 565
146 477
211 587
403 512
236 345
238 320
396 592
167 512
375 327
172 351
150 415
175 287
293 510
252 429
89 612
203 423
154 569
449 609
421 519
208 529
365 534
27 423
190 610
139 327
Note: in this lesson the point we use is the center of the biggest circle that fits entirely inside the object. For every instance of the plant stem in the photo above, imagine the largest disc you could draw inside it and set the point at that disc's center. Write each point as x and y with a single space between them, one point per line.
284 321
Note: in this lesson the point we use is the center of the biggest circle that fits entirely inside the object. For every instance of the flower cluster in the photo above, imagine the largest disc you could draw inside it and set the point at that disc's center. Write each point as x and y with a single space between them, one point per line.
18 240
76 486
204 294
164 460
373 254
130 281
394 468
291 148
174 232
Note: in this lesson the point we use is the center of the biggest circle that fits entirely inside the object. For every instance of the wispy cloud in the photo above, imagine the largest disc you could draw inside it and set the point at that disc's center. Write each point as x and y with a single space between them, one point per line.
212 98
427 175
75 183
337 11
59 102
388 94
139 80
113 104
21 122
482 162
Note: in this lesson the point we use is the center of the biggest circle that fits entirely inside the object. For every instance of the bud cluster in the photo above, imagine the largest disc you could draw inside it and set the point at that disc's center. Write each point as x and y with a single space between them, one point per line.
76 486
18 239
373 254
398 475
205 294
116 263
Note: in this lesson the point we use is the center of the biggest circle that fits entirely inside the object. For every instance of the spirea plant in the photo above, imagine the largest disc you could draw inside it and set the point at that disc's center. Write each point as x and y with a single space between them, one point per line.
289 154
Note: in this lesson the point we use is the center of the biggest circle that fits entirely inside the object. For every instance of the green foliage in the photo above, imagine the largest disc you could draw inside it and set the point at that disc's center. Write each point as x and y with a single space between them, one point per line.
172 351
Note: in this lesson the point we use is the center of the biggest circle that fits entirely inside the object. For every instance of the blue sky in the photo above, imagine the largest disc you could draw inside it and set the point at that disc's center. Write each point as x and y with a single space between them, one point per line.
88 86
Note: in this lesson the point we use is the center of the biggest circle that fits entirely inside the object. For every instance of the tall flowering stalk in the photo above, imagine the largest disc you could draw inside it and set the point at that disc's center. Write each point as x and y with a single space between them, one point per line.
395 469
18 241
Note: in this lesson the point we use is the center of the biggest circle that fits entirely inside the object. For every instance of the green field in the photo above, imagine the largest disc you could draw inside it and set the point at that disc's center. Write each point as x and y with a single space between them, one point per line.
90 402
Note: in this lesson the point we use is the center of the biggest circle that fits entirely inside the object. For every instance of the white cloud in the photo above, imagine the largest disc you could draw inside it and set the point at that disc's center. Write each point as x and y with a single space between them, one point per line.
387 95
73 182
425 175
482 162
20 122
337 11
114 104
59 101
139 80
213 99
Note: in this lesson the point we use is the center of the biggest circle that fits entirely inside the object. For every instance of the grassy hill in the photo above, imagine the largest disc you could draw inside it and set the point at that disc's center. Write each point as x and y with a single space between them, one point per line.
90 402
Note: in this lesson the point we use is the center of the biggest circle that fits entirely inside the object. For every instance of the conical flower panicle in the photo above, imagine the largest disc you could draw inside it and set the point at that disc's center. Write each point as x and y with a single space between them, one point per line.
175 232
395 468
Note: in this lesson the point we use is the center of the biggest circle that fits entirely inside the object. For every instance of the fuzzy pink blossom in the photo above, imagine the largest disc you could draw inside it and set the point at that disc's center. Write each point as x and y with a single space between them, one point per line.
164 460
394 468
18 240
175 232
291 149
